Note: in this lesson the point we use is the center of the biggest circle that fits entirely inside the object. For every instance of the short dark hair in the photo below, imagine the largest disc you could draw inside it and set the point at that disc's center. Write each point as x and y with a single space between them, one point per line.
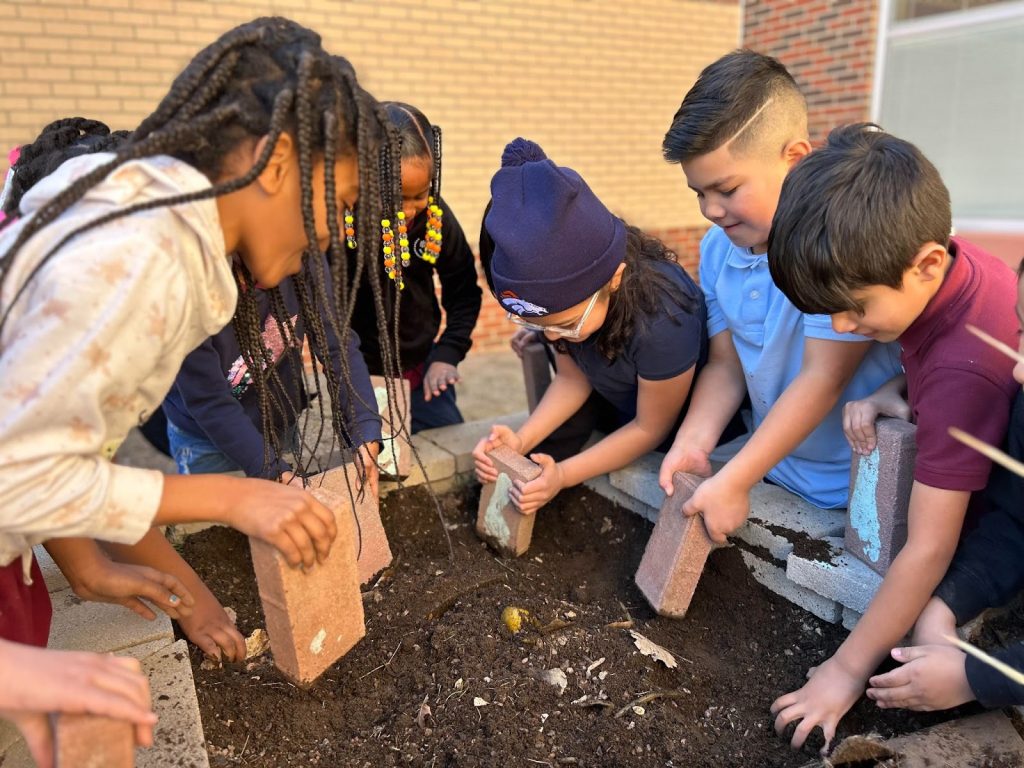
726 100
854 214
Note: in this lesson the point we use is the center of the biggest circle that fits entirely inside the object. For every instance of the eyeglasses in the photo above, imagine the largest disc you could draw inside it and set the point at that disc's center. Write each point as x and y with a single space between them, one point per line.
558 330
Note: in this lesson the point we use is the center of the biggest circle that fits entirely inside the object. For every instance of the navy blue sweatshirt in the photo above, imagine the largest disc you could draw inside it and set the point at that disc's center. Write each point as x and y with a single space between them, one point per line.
213 394
988 569
420 314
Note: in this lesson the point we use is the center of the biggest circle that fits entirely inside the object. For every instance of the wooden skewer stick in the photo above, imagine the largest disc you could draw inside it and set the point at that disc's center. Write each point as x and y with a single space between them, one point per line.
984 448
979 654
992 341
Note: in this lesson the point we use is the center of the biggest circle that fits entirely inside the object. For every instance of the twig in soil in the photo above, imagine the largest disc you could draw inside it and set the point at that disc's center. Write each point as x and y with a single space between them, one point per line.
554 626
649 697
540 762
244 745
620 625
442 608
382 666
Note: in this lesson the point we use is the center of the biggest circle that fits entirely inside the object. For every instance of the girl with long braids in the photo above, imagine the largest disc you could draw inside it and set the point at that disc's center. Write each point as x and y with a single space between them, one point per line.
118 266
426 239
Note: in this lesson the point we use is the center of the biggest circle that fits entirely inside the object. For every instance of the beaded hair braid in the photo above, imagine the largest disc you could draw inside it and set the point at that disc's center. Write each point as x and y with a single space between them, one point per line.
263 78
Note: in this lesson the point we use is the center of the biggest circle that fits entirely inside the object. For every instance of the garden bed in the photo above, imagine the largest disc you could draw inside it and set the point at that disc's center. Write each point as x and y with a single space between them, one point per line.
440 681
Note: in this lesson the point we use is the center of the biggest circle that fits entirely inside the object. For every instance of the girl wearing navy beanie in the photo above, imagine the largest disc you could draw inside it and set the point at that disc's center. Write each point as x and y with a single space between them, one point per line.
628 325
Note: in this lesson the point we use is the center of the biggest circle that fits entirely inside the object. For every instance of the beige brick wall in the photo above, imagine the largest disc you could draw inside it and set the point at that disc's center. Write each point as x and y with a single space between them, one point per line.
595 82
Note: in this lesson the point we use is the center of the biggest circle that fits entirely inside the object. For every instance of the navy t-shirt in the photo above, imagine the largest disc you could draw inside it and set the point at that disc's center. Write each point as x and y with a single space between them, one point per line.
664 345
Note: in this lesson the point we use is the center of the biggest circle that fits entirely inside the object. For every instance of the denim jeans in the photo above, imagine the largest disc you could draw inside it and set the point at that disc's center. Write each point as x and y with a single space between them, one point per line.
195 455
439 412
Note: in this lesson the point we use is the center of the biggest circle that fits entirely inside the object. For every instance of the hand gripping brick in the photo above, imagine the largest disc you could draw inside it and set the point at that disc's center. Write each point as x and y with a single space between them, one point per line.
372 547
498 522
536 373
675 554
395 458
880 485
90 741
313 617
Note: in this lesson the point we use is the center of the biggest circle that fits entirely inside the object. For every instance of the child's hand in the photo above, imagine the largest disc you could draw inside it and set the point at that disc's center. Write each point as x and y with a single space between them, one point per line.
39 681
285 516
932 677
523 338
212 630
500 435
824 699
438 378
371 481
723 506
935 624
531 496
683 458
108 582
859 418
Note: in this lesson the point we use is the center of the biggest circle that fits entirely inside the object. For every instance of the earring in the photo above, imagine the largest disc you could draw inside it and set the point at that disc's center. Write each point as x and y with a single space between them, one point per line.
350 229
433 244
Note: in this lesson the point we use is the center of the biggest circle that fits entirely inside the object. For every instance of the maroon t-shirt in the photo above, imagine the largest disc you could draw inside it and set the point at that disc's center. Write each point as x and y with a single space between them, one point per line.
955 379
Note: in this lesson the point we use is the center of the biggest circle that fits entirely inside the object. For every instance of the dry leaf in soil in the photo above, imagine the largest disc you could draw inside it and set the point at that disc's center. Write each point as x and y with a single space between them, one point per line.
655 651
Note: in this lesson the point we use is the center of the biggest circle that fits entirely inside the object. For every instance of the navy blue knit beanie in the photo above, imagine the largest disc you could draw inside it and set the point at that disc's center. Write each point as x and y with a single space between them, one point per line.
555 244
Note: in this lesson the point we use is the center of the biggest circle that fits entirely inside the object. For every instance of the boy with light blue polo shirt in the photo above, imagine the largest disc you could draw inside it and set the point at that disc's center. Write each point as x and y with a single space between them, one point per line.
738 132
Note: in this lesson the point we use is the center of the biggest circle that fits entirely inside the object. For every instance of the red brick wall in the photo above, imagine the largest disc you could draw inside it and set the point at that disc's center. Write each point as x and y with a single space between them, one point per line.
828 46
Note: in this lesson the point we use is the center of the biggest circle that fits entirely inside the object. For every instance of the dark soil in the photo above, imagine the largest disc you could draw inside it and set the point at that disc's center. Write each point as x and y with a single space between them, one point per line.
436 644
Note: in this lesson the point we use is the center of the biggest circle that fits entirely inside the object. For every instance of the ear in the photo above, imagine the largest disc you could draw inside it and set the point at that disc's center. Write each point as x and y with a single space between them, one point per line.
930 263
613 284
795 151
278 167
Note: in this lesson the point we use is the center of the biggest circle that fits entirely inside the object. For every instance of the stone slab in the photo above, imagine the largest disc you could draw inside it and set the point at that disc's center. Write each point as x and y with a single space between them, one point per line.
880 486
778 518
102 627
460 439
676 552
774 578
850 619
844 578
178 739
601 485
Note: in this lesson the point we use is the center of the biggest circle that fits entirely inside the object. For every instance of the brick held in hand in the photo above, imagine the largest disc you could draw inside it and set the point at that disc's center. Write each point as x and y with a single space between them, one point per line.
498 522
374 551
676 552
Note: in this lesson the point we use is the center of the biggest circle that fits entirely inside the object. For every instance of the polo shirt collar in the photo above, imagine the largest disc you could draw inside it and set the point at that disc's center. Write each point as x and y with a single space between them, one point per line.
944 307
743 258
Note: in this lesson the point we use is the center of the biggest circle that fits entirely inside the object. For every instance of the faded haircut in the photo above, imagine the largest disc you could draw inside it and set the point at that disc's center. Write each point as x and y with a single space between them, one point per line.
854 214
746 100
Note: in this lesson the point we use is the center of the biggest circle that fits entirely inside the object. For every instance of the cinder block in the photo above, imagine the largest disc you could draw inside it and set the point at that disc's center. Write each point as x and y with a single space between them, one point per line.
843 578
774 578
880 485
313 617
601 485
639 479
536 373
90 741
676 553
778 518
395 458
372 547
850 619
498 522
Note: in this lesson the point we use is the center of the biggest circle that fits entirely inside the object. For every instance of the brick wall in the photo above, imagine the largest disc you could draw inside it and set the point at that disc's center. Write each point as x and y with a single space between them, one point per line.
595 83
828 45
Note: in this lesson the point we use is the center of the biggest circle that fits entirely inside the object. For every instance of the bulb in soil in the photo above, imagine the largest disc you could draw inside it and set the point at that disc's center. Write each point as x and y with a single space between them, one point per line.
513 618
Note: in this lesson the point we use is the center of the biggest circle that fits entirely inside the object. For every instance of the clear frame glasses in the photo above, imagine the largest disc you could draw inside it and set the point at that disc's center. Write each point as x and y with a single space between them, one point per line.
558 330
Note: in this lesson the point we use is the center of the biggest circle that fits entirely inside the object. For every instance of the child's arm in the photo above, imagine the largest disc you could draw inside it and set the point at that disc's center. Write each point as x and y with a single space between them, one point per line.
658 404
717 395
933 530
94 577
859 415
39 681
827 368
207 624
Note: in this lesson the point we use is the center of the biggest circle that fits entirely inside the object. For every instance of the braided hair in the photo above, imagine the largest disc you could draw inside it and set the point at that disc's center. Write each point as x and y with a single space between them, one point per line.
261 79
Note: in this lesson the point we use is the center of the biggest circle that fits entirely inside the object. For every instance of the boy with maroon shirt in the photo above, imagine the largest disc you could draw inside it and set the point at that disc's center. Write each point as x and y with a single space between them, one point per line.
862 233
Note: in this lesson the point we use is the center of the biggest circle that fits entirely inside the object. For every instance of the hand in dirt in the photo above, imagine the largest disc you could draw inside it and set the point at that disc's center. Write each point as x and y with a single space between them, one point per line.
683 458
285 516
39 681
823 701
932 677
500 435
859 418
935 624
438 378
723 506
523 338
531 496
95 577
212 630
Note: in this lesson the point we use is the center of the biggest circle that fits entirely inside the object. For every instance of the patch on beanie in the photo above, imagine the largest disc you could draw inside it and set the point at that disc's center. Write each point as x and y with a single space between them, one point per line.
520 307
